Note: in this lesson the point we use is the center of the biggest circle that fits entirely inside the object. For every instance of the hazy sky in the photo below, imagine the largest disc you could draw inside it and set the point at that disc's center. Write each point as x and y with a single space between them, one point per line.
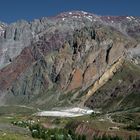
12 10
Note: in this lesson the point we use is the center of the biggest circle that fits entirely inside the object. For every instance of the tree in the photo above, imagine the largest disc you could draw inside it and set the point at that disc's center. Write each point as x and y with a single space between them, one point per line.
72 134
79 137
83 137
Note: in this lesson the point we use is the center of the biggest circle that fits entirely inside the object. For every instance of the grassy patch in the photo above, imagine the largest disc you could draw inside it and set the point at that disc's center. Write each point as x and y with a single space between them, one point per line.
14 136
7 110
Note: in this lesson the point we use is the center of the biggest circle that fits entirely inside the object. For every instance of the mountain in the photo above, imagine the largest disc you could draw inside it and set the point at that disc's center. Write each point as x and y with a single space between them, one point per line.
73 59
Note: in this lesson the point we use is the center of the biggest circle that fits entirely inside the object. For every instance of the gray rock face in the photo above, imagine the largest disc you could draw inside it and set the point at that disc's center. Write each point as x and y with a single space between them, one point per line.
54 57
16 36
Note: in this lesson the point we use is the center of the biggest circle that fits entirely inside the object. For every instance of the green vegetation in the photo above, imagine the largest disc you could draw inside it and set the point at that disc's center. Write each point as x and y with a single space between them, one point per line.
14 136
54 128
40 132
104 137
122 118
6 110
24 124
95 115
64 128
133 126
127 117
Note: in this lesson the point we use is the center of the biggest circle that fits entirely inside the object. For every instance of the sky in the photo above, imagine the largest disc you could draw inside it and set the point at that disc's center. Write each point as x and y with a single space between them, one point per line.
13 10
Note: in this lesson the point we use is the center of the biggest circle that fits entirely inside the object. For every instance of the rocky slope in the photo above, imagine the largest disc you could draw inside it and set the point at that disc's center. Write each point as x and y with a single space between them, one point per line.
121 92
64 60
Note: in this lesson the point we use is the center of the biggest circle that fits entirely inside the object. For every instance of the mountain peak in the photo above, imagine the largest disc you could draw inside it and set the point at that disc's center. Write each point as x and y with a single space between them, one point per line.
73 13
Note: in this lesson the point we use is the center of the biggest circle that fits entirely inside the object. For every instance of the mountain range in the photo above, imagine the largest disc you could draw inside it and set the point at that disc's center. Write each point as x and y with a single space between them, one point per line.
72 59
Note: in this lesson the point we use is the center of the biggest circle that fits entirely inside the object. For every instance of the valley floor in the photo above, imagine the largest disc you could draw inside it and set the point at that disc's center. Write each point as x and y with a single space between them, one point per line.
14 124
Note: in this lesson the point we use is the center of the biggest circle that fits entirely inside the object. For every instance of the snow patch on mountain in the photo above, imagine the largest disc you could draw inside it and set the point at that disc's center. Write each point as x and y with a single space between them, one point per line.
84 12
1 30
89 18
129 18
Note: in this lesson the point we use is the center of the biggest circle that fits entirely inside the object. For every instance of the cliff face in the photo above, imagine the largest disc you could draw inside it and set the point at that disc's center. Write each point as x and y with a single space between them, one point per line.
56 61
